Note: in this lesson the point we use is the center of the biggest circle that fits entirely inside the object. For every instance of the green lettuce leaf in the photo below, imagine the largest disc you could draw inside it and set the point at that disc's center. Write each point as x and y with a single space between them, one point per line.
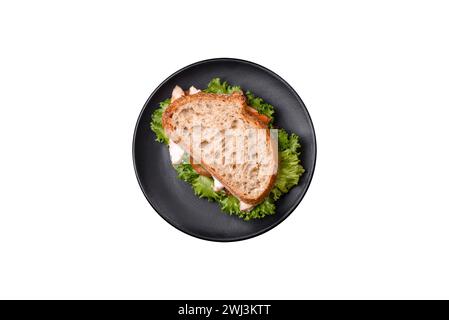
231 205
293 144
203 188
283 139
186 172
261 106
215 86
290 169
156 122
263 209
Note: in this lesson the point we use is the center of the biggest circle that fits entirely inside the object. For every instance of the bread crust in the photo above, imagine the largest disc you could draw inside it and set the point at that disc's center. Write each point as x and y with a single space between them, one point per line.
238 98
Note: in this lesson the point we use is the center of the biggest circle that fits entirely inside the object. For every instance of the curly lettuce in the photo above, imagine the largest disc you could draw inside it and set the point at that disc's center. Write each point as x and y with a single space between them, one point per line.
261 106
186 172
156 122
216 86
289 171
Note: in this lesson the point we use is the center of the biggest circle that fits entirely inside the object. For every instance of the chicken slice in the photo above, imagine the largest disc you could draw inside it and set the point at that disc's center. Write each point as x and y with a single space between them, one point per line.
177 93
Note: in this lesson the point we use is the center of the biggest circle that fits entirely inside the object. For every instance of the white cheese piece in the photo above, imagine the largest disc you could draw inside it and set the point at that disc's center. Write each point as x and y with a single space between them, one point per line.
193 90
176 152
245 206
177 93
217 185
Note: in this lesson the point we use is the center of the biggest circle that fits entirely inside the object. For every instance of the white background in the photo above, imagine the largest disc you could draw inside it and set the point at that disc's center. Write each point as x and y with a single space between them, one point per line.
75 75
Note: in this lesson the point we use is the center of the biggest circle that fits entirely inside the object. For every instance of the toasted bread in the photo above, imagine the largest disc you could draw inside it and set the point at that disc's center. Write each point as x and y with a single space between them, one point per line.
249 180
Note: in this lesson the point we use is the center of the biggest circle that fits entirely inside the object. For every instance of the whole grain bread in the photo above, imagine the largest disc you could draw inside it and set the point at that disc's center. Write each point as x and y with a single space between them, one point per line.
224 145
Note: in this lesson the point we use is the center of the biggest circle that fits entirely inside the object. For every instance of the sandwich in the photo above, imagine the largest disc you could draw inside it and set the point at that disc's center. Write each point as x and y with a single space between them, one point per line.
222 141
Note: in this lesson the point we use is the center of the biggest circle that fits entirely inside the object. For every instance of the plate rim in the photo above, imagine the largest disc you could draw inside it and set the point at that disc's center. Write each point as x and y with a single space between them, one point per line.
299 199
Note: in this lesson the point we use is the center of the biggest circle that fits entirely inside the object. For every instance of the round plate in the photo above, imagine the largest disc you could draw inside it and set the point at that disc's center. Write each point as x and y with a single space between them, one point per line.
173 198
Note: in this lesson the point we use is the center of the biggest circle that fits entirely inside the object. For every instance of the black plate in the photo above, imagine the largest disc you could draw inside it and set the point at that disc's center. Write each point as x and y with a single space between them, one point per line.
172 198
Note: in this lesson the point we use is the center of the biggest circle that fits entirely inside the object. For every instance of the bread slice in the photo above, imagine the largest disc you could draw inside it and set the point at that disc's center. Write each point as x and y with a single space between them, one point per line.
228 139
